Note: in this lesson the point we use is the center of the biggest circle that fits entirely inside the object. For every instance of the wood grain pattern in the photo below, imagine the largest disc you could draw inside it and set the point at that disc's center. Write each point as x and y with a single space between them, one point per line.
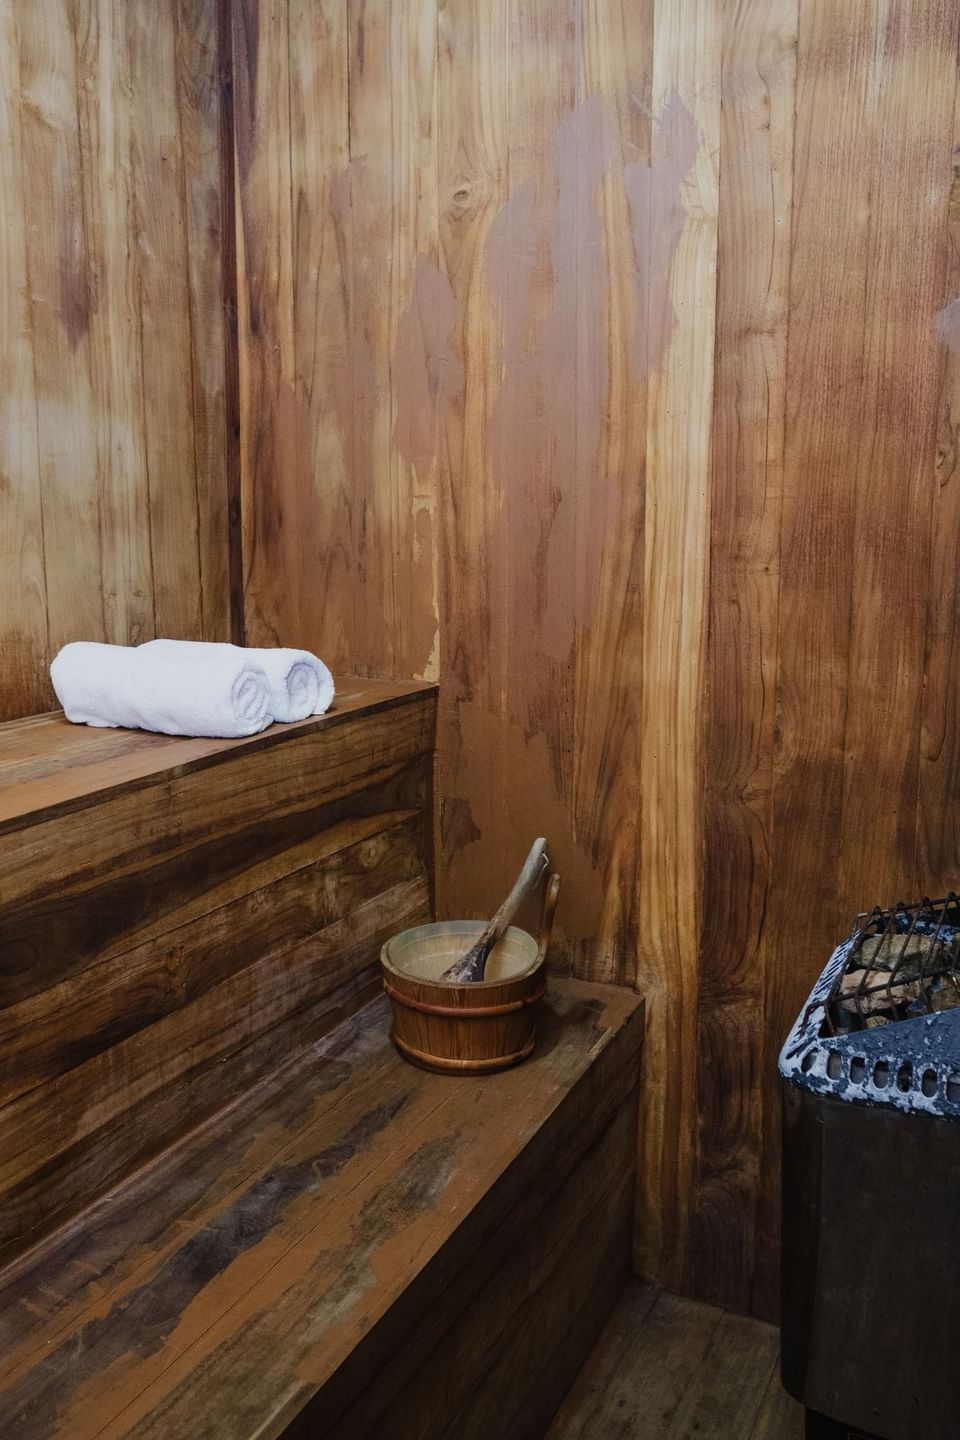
666 1368
686 54
312 1251
218 897
113 464
483 352
692 373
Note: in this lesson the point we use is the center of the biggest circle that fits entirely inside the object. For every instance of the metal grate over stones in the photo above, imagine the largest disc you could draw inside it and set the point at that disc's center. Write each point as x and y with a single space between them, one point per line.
882 1024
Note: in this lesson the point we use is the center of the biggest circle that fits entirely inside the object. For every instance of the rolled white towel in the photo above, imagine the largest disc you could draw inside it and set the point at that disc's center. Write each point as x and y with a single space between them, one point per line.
140 688
300 684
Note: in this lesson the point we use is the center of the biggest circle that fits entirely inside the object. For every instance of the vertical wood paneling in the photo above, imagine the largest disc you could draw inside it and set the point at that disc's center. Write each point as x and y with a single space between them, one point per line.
110 199
393 216
62 288
595 361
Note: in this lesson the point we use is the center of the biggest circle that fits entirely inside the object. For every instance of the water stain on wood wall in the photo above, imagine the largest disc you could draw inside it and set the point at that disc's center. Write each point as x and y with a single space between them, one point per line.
601 362
632 420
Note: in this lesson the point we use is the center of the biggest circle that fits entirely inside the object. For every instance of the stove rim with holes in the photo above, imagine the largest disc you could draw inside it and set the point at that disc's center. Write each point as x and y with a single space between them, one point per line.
909 1063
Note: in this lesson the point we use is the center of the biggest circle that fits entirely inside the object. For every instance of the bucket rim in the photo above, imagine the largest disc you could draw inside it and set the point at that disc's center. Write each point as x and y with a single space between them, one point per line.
465 928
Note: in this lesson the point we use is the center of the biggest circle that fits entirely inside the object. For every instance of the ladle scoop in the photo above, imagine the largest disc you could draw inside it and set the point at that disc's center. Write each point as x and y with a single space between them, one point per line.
472 966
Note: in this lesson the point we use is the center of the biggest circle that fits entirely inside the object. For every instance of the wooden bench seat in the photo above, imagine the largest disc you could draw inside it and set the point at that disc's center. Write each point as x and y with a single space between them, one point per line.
228 1209
355 1248
176 915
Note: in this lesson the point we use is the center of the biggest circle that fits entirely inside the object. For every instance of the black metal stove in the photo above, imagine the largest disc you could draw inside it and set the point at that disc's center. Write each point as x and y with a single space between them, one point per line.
871 1182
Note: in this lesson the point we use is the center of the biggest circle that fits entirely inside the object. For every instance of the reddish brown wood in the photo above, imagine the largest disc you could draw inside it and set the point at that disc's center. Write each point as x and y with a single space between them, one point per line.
302 1261
171 908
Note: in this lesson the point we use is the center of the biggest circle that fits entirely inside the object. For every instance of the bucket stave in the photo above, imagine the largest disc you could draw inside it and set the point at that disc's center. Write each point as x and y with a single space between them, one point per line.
471 1027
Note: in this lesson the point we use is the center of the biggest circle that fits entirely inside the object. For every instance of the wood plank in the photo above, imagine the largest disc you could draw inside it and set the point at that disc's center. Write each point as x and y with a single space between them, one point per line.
575 1416
162 260
649 1386
616 62
268 434
758 81
390 189
61 269
22 569
843 498
205 231
473 126
140 1221
405 1176
48 764
780 1417
136 886
108 191
155 943
322 487
72 1139
938 837
497 1333
729 1386
107 127
680 340
305 889
667 1367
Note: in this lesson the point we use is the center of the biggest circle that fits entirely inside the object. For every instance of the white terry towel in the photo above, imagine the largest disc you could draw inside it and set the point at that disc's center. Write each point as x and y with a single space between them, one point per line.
141 689
300 684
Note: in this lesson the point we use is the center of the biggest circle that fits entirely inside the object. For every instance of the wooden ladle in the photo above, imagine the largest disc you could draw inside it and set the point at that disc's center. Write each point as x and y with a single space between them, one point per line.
471 967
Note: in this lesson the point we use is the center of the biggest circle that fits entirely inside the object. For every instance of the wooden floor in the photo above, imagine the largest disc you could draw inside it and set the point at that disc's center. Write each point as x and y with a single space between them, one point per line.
671 1369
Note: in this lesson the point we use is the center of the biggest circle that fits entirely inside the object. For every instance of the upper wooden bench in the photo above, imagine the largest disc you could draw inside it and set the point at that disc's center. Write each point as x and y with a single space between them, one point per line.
176 915
228 1209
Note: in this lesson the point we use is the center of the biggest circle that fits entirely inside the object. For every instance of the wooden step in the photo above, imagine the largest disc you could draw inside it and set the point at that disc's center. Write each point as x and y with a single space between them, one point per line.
356 1248
177 915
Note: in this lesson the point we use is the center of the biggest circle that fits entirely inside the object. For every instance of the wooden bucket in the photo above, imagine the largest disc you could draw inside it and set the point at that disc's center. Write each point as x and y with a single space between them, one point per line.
467 1028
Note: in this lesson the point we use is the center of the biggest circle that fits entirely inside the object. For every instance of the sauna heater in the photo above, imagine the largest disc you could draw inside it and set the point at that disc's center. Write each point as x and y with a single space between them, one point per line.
871 1182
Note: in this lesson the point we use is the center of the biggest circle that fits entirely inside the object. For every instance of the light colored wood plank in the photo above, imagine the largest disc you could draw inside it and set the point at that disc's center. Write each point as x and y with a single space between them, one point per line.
616 59
680 339
758 82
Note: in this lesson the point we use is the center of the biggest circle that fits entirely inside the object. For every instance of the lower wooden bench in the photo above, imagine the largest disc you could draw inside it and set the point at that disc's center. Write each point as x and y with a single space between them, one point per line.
354 1248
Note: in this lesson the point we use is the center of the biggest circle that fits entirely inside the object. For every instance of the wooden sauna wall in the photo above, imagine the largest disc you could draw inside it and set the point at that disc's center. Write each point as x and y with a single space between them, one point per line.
113 501
602 361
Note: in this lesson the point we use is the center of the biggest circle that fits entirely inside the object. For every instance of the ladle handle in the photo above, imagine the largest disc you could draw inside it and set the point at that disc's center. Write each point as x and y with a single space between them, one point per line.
470 968
550 899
